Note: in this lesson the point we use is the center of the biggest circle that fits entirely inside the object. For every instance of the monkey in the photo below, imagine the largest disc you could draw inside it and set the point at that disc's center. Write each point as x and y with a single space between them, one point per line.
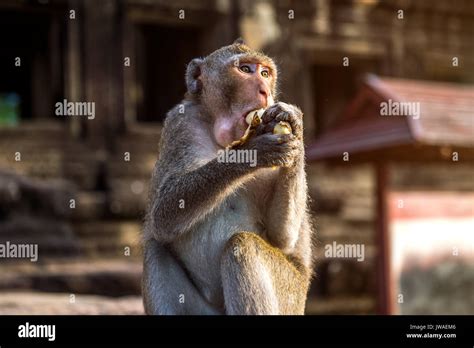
225 238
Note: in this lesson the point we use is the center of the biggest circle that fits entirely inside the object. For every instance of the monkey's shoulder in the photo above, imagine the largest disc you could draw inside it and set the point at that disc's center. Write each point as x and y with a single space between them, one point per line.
183 129
179 115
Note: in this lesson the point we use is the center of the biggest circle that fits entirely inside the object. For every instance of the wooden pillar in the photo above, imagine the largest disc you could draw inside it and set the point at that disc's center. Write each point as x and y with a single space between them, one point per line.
397 47
103 70
74 83
307 100
130 74
42 99
55 67
384 285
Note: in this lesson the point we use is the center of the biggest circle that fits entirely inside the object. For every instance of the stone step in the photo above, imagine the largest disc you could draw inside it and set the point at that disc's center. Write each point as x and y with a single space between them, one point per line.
116 277
109 237
136 164
24 195
128 197
43 165
82 168
332 227
89 205
100 247
54 238
145 137
341 305
38 303
125 231
345 277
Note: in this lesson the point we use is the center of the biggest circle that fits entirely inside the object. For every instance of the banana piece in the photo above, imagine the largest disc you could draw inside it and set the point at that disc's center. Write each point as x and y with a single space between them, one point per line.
253 119
255 113
282 127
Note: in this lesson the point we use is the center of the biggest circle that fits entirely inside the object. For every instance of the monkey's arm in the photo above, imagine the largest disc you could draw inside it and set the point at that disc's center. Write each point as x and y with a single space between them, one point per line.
183 199
187 185
287 207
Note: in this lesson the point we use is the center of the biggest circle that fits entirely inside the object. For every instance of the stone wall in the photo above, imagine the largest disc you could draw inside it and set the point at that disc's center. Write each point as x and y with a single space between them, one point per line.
83 210
344 212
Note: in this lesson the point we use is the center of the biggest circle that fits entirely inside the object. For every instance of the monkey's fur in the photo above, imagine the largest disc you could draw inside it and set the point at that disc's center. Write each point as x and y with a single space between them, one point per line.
228 238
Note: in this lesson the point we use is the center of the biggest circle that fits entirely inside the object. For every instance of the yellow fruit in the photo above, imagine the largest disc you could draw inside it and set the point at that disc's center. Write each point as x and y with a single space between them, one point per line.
282 127
252 114
253 119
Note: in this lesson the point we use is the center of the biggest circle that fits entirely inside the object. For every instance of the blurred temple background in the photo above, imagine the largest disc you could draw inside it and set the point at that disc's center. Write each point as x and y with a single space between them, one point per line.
400 186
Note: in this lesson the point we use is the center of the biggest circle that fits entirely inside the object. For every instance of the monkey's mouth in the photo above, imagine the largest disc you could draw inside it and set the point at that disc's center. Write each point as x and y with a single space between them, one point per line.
247 117
252 119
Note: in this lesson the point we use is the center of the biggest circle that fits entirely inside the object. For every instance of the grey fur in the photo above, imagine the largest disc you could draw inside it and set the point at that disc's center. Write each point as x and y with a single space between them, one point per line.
242 242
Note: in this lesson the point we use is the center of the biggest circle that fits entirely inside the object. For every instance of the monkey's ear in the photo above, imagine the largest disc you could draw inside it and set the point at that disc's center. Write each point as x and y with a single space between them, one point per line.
239 41
193 72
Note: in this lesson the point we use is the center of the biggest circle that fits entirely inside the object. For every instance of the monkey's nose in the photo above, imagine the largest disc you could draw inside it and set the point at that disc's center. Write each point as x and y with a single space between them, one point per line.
264 94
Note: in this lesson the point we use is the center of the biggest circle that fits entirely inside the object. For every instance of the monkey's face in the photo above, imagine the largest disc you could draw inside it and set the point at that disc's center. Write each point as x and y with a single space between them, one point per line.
232 82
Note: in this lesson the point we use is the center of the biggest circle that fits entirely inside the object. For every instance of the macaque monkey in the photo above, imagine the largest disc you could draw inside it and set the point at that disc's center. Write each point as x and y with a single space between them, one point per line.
221 237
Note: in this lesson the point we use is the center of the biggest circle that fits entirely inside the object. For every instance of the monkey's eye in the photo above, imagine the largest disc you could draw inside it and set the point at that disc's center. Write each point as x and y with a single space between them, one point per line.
265 73
245 68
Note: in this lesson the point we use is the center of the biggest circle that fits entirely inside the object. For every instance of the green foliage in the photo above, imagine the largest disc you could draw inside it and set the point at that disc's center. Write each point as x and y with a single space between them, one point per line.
9 109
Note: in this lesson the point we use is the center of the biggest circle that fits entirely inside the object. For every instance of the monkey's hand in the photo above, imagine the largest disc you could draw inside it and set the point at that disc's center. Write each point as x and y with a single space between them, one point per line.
281 150
275 150
282 112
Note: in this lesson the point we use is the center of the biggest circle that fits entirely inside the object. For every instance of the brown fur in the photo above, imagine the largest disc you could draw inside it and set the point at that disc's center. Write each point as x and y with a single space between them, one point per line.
197 259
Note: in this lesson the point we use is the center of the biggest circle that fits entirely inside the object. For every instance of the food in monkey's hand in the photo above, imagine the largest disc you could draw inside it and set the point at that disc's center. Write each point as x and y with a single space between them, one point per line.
253 119
282 127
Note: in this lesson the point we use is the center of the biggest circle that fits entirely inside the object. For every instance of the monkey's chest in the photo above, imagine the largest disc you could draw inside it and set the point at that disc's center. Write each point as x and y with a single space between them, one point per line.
201 249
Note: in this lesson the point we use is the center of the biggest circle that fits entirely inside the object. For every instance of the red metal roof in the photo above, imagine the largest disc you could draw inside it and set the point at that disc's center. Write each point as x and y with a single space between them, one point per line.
446 117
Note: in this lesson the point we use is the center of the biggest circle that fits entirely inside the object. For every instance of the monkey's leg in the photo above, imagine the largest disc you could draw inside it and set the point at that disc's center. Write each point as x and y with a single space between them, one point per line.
259 279
166 288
